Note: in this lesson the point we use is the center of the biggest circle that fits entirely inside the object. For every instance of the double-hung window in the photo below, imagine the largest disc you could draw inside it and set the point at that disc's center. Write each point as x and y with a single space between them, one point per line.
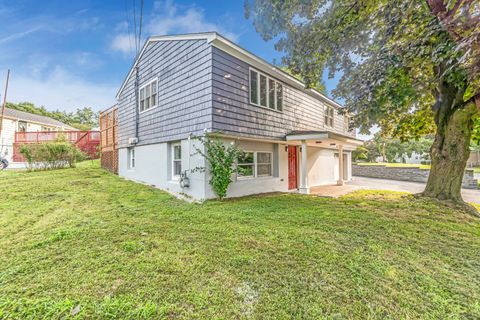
255 164
131 158
176 160
265 91
148 96
329 112
346 120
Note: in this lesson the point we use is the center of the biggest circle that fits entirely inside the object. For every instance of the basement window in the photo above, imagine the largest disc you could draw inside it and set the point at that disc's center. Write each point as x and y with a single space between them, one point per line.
131 158
176 160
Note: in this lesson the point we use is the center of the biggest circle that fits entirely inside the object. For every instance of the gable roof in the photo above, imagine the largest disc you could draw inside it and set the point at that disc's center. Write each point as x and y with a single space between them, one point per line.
31 117
235 50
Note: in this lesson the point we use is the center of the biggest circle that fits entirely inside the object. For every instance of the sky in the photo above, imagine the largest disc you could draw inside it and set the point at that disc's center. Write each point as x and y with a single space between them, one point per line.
70 54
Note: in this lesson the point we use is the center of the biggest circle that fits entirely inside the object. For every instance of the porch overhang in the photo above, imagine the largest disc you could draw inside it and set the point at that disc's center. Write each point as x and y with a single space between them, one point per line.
323 139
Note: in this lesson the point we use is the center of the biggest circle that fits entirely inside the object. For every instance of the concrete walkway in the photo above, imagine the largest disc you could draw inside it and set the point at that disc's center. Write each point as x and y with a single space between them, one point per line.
469 195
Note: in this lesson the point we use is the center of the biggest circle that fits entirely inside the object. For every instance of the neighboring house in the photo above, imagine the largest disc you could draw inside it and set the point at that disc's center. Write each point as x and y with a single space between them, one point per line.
185 85
20 121
414 158
474 159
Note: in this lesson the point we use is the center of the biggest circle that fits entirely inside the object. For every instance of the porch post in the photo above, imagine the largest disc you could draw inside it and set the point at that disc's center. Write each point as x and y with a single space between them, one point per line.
340 166
303 170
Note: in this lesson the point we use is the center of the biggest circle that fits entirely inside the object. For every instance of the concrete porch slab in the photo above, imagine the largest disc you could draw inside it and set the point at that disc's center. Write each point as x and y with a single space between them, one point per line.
333 190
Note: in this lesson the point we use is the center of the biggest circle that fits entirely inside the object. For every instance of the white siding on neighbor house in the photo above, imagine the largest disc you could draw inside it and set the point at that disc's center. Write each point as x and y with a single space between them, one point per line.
7 138
8 134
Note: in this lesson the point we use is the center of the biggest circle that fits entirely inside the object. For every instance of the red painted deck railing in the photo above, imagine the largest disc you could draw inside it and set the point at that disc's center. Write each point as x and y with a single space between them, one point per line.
87 141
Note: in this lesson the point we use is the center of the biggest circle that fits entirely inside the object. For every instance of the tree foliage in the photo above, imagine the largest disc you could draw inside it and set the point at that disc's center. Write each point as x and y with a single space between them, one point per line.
386 51
403 67
83 118
318 85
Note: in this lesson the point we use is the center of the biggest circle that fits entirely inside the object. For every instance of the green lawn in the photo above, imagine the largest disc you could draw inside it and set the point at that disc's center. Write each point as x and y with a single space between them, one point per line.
84 242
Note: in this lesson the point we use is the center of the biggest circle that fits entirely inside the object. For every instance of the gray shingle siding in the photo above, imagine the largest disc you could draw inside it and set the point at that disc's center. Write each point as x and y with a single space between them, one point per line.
184 106
233 114
202 87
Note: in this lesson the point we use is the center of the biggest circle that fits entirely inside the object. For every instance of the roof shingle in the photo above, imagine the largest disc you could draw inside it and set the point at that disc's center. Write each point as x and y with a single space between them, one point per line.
26 116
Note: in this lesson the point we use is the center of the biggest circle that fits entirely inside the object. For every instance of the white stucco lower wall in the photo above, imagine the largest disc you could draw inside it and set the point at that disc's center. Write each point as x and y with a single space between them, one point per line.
323 166
153 166
248 186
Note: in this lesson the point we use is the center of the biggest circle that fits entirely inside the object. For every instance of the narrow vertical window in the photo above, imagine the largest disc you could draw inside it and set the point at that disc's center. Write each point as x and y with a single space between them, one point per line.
271 94
329 113
263 90
131 158
177 160
253 87
279 97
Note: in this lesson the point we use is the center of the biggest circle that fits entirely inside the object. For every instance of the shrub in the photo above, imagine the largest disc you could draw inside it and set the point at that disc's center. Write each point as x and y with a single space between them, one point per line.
221 158
51 155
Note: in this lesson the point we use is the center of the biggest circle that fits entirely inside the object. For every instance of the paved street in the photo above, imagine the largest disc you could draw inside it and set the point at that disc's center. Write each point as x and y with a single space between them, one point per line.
469 195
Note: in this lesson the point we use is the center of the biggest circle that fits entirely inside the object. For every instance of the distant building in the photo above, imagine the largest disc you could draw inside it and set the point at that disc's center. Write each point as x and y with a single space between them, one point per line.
20 121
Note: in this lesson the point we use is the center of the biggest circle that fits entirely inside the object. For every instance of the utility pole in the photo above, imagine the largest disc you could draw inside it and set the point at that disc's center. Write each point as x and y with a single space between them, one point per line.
3 106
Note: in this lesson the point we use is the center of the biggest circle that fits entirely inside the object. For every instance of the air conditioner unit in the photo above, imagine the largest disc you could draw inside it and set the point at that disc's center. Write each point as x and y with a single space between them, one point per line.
133 140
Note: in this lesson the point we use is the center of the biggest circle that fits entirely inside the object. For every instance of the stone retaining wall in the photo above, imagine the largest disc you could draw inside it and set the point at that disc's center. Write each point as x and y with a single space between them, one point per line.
412 174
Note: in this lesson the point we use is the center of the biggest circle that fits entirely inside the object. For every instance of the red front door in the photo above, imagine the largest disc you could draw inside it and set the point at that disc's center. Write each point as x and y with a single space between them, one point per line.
292 167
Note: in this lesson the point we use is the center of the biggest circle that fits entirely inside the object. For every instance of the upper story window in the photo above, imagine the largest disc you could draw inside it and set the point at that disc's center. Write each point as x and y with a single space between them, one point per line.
22 126
346 120
329 112
265 91
148 95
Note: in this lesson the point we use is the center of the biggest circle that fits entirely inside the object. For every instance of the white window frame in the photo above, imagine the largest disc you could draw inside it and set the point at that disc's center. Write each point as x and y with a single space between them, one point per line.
149 83
255 166
174 145
276 83
328 117
18 125
131 158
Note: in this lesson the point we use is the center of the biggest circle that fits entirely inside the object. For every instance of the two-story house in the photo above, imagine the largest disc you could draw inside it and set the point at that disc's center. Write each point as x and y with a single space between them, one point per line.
16 121
182 86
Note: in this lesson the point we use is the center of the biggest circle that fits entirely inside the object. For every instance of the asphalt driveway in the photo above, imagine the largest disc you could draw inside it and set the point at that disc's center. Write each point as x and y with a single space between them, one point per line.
469 195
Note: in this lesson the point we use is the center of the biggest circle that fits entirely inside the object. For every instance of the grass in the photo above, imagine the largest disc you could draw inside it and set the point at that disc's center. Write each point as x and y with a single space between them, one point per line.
476 169
82 243
395 165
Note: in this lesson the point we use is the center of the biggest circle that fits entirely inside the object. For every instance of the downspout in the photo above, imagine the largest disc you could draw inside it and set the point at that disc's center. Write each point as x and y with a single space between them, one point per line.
137 114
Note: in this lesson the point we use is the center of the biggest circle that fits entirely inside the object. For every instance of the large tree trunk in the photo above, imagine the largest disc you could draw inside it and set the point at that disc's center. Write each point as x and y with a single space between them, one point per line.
450 149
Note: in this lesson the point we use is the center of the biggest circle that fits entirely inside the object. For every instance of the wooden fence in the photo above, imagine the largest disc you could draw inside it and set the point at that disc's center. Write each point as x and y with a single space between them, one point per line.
108 140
